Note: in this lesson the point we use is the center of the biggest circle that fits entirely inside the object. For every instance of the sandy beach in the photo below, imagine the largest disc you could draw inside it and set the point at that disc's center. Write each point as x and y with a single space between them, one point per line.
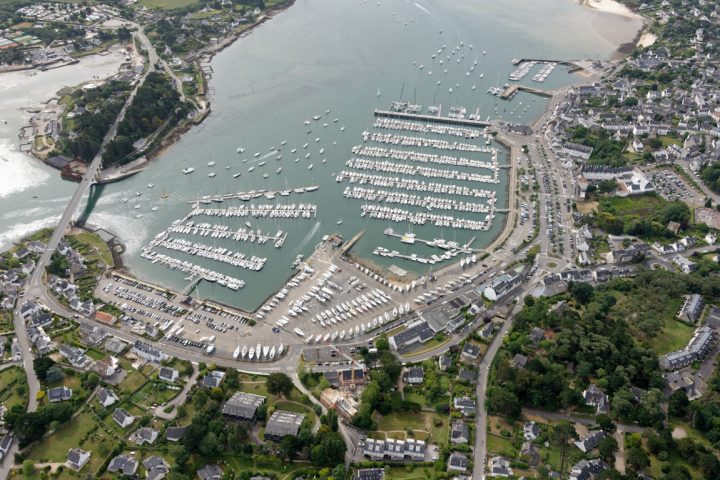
610 6
647 39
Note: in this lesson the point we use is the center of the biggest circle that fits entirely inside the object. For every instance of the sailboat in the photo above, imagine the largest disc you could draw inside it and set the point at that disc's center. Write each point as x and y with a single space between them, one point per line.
378 92
236 353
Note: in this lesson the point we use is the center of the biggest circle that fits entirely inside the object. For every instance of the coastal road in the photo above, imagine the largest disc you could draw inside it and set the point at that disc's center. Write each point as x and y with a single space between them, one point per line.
34 286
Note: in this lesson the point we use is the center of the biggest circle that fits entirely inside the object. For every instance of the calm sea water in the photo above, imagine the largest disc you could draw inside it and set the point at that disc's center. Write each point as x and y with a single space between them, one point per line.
320 55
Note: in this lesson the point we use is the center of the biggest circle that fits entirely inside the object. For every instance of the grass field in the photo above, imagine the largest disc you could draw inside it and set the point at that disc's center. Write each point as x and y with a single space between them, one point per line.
154 393
421 421
416 473
501 445
167 4
674 336
55 447
99 245
641 205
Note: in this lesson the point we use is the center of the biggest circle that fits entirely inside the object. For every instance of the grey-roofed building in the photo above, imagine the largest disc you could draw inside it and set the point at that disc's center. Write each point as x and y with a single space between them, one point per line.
530 431
459 432
414 449
124 464
213 379
145 435
175 434
122 417
465 405
500 467
156 468
106 397
371 474
444 362
487 330
168 374
77 458
414 376
75 356
586 469
692 308
518 361
457 462
210 472
470 350
59 394
243 406
597 398
466 375
590 441
5 443
395 449
282 424
114 345
699 345
418 331
148 352
374 449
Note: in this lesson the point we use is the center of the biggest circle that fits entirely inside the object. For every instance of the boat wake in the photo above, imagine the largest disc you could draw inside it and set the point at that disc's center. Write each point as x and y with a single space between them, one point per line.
422 8
309 236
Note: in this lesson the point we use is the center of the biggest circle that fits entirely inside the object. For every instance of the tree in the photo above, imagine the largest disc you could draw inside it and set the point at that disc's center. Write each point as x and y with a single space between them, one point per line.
562 433
329 451
605 422
678 403
636 459
608 447
582 292
42 365
279 384
503 401
123 34
289 447
28 468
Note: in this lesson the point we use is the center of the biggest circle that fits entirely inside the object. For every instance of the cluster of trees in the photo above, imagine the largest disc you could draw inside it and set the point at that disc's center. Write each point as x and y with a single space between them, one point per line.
605 150
102 106
599 346
702 414
381 394
710 174
155 103
653 225
31 426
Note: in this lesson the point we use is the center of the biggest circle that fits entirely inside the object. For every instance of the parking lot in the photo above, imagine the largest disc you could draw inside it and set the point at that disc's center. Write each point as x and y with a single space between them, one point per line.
671 186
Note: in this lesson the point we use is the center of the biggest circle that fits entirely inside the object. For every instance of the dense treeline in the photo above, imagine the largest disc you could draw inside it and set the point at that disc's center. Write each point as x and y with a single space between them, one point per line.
380 394
645 224
606 151
155 103
31 426
99 106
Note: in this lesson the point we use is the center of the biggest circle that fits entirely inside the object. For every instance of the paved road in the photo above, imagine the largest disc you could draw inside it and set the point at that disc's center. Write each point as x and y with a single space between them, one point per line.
179 399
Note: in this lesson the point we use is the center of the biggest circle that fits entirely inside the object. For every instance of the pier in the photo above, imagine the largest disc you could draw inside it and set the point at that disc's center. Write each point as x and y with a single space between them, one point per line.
194 280
512 90
432 118
253 194
410 239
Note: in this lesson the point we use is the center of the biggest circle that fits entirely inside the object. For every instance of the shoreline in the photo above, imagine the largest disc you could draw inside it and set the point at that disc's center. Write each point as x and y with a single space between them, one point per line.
610 6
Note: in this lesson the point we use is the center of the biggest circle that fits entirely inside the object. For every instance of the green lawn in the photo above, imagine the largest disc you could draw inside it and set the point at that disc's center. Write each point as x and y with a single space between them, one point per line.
674 336
55 447
416 473
98 244
167 4
295 407
501 446
132 381
154 393
435 424
642 205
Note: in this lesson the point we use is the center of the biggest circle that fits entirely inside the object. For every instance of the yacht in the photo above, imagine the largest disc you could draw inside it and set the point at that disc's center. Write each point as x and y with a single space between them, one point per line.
237 175
279 169
211 174
150 185
236 353
240 150
211 163
310 166
339 222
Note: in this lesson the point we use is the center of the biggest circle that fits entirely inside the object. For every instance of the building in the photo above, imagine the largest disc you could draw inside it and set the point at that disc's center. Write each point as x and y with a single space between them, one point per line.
123 464
243 406
457 462
106 397
347 377
597 398
210 472
213 379
122 417
371 474
692 308
590 441
530 431
168 374
156 468
77 458
682 381
529 453
417 332
500 286
577 150
59 394
499 467
174 434
518 361
444 362
344 405
75 356
148 352
470 351
685 265
282 424
414 376
465 405
145 435
586 469
395 449
699 345
459 432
